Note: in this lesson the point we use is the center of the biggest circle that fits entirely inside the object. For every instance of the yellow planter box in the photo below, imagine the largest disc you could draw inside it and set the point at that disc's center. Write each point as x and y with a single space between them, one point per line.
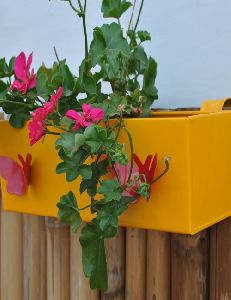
193 195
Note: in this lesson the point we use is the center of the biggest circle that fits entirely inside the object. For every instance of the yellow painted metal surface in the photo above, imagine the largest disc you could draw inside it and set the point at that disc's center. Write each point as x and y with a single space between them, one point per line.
193 195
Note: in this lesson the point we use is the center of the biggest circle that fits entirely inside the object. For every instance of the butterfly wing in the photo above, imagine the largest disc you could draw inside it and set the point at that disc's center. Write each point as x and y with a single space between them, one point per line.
13 173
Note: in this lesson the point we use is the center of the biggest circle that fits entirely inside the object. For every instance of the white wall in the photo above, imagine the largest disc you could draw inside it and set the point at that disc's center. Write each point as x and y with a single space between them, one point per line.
191 40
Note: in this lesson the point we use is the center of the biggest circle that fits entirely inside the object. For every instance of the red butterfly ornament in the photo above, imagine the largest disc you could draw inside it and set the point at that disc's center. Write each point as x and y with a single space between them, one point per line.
17 175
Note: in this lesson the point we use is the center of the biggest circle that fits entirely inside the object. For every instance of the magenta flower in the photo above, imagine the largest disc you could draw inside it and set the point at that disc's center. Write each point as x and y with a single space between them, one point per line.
88 117
123 174
37 126
51 105
25 79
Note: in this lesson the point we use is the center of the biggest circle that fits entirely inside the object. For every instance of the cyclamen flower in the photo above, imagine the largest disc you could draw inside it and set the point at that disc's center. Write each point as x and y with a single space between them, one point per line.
37 126
123 174
88 117
25 79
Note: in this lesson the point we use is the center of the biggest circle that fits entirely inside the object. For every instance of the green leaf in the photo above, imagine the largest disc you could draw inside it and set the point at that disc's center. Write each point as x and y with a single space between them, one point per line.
18 119
93 256
144 35
108 215
138 61
149 90
69 212
107 43
3 88
96 136
73 166
98 169
41 85
114 8
111 189
89 185
118 154
70 142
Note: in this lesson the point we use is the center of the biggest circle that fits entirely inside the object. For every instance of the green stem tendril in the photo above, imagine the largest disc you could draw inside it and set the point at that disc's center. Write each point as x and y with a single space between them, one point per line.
52 132
138 19
119 127
72 6
130 21
83 15
56 54
167 164
132 152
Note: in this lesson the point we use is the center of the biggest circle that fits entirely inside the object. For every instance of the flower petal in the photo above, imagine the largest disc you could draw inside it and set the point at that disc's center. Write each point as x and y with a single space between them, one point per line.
97 114
29 61
86 108
20 66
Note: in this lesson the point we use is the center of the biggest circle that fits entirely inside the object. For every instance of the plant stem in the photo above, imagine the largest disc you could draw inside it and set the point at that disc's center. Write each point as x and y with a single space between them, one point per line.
83 15
56 54
119 129
130 21
52 132
72 6
85 207
132 152
164 172
138 19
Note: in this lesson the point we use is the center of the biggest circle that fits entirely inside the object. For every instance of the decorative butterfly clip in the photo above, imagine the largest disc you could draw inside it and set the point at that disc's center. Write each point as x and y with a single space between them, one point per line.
17 175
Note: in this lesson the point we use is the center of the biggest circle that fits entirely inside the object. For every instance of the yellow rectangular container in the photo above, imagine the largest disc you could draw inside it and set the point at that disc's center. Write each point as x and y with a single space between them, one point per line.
193 195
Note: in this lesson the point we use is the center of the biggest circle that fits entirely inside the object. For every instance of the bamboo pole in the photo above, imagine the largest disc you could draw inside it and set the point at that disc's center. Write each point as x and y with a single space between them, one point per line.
58 260
189 266
11 256
158 265
115 249
136 246
34 258
220 260
80 288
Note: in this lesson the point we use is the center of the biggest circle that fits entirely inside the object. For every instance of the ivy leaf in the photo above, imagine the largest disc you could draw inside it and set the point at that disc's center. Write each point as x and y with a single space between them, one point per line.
107 43
6 70
93 256
89 185
96 136
98 169
70 142
42 84
149 90
144 35
138 61
114 8
19 118
69 212
111 189
73 166
108 215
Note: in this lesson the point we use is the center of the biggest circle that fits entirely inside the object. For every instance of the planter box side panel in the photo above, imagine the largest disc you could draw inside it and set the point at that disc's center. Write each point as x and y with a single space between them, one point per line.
168 206
211 169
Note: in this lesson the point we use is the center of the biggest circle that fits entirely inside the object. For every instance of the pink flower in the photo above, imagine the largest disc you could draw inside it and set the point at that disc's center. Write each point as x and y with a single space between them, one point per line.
37 126
25 79
89 116
51 105
123 174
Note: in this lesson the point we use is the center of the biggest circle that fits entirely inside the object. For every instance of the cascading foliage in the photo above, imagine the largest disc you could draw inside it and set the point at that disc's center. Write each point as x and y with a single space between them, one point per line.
80 110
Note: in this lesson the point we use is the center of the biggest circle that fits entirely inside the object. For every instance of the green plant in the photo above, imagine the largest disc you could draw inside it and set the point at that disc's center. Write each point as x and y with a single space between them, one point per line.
88 142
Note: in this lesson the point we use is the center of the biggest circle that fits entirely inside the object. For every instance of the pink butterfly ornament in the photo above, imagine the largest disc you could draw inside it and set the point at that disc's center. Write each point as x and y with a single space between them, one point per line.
17 175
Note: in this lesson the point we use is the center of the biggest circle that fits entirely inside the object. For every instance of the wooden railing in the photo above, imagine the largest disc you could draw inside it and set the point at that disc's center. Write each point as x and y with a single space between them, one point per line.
41 260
